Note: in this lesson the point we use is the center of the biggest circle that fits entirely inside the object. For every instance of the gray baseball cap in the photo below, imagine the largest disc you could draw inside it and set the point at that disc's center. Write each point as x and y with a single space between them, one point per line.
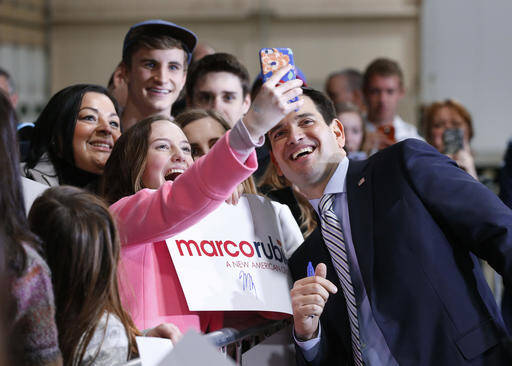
157 27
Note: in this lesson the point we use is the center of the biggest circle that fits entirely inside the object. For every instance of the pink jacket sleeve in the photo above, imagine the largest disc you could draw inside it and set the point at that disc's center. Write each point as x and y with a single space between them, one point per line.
152 215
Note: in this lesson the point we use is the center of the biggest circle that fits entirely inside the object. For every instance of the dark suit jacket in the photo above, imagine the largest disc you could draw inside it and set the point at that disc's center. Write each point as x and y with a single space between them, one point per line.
416 221
506 197
506 177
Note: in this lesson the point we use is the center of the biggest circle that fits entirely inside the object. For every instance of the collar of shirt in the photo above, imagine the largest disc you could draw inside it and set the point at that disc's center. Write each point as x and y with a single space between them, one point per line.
337 183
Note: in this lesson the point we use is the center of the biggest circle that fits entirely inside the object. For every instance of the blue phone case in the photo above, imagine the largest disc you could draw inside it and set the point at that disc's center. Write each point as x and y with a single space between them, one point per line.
273 59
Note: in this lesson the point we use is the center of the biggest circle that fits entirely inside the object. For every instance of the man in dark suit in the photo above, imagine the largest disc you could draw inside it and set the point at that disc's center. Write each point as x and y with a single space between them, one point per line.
396 280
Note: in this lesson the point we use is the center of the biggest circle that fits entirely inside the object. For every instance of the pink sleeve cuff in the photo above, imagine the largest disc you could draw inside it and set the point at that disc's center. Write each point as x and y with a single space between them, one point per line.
241 142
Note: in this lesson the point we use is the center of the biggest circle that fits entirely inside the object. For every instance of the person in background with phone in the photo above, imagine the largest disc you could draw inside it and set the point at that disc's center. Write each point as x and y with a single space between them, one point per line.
449 128
383 88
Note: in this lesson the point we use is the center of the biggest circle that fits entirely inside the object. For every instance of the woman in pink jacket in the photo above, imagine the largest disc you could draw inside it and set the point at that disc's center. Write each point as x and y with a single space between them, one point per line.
157 192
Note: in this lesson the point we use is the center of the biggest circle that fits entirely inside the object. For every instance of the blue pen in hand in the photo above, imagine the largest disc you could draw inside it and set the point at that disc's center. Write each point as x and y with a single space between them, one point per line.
310 272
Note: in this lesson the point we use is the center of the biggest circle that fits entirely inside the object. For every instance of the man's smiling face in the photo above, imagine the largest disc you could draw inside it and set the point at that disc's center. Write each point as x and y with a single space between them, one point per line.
155 79
305 149
222 91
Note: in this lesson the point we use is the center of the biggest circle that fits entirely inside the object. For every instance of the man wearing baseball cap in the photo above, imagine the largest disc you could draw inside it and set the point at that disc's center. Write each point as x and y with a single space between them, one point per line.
156 54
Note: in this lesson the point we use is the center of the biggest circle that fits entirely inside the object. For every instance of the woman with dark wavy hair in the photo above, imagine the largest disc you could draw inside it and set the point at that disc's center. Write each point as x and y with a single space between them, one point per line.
32 334
73 137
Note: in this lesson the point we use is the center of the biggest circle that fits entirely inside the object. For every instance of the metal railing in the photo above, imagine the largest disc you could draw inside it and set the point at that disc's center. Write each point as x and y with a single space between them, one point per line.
244 339
233 342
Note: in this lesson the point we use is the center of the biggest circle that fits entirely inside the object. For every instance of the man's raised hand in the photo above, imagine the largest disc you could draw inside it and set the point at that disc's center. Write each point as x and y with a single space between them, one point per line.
272 103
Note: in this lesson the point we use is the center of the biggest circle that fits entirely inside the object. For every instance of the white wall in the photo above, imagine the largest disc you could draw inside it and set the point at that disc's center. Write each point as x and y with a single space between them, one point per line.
326 35
466 54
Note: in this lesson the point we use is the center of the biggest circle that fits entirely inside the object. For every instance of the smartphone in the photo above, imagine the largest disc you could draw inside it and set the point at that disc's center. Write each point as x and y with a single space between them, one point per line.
389 131
453 140
273 59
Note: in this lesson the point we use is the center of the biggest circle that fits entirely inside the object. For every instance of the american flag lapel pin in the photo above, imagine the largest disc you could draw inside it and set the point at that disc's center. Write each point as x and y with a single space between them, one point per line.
361 181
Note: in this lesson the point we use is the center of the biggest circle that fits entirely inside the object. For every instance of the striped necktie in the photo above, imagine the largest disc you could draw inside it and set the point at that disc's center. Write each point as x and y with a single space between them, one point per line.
335 241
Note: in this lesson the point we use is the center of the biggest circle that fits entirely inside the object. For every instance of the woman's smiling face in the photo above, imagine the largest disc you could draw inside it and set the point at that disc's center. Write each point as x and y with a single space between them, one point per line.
97 128
169 154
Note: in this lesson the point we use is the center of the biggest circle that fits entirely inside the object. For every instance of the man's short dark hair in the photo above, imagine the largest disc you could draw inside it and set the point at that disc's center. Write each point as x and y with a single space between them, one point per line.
322 103
9 79
382 67
217 62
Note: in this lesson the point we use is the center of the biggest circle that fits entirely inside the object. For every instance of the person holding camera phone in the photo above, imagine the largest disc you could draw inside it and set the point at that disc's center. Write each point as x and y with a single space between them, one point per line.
449 128
383 88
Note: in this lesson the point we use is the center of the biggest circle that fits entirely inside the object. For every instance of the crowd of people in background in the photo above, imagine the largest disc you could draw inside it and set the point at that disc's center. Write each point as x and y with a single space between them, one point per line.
136 161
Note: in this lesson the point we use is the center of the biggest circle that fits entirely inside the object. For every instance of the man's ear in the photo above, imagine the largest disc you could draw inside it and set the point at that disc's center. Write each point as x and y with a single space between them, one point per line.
339 132
273 159
123 72
119 77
